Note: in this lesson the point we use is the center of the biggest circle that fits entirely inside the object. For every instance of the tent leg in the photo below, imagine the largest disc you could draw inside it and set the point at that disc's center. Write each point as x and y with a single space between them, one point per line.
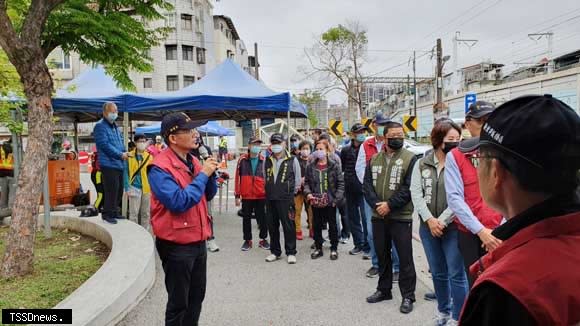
125 204
76 140
46 197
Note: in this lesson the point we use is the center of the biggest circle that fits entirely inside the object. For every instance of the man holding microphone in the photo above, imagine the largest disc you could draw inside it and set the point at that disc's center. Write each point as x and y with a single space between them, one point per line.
181 188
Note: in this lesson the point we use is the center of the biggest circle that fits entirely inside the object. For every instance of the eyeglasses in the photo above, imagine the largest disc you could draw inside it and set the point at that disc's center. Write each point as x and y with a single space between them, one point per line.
477 157
184 131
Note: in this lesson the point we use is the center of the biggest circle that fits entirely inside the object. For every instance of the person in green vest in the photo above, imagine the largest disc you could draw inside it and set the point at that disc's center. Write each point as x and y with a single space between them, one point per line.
223 148
386 188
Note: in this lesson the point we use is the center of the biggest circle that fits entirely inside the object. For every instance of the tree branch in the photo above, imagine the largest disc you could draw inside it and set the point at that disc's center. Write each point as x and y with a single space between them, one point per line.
36 18
8 38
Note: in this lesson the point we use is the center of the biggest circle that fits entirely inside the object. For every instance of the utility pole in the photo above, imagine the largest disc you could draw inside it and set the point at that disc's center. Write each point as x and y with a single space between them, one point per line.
456 42
439 79
550 36
415 88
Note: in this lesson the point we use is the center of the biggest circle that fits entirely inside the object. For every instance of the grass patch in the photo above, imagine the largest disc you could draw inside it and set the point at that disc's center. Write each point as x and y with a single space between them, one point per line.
61 264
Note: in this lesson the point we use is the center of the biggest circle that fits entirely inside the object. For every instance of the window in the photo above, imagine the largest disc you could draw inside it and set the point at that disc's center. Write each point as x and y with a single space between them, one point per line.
186 21
197 25
171 52
200 55
172 83
169 20
188 80
60 60
229 54
147 83
187 52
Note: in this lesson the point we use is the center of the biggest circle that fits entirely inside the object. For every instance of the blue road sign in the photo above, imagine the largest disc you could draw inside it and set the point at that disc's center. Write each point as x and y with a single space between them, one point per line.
470 99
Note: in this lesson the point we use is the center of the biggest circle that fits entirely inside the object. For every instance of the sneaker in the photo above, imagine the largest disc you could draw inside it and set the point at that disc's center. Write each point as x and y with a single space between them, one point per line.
291 259
406 306
372 272
264 244
110 220
355 251
379 296
212 246
333 255
452 322
395 277
247 245
367 256
316 254
299 235
441 318
343 240
272 258
430 296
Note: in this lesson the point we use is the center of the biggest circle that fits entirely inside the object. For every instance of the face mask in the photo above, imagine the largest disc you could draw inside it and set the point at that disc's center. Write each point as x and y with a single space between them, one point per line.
395 143
448 146
141 146
380 130
277 148
319 154
361 138
305 152
255 149
295 144
158 141
112 117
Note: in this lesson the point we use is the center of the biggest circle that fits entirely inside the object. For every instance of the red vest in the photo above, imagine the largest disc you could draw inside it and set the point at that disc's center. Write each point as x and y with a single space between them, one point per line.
487 216
540 267
248 185
370 148
183 228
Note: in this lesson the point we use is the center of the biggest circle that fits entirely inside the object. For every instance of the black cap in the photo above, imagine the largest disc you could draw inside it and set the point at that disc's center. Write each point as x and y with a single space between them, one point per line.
255 140
540 130
173 122
381 119
294 138
479 109
358 127
139 136
276 138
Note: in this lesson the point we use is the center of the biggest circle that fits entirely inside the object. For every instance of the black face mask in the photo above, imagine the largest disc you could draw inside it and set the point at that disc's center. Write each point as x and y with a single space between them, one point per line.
448 146
395 143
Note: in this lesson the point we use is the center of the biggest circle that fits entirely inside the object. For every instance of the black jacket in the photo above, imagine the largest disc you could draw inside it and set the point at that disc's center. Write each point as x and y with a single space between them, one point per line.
348 156
312 182
283 187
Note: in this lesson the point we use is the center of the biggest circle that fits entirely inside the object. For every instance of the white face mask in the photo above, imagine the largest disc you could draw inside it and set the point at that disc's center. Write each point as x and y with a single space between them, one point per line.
141 146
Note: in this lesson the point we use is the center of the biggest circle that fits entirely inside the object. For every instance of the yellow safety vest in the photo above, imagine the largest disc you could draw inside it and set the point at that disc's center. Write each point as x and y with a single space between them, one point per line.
6 161
134 165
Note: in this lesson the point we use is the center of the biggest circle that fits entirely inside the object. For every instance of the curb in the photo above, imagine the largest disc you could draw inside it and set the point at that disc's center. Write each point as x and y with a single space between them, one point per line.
121 282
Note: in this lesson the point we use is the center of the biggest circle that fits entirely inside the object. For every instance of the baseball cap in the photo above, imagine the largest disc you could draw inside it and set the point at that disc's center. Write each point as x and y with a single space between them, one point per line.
381 119
139 136
479 109
254 140
358 127
173 122
538 129
276 138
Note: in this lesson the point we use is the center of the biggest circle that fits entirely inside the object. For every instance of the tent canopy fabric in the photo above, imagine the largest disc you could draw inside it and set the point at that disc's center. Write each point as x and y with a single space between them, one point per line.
225 93
212 128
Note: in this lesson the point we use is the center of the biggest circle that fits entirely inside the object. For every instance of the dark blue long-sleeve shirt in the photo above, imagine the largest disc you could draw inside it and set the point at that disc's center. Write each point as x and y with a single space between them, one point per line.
176 199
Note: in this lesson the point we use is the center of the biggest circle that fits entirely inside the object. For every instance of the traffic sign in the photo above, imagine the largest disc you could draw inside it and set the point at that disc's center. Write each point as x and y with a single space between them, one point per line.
368 122
335 127
83 157
470 98
409 123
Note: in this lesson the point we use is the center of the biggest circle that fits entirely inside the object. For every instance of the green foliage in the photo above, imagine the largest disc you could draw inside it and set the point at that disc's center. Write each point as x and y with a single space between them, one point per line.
113 33
343 35
10 89
310 98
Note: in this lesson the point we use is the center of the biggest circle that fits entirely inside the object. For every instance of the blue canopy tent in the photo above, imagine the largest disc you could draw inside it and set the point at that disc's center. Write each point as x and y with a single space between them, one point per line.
212 128
225 93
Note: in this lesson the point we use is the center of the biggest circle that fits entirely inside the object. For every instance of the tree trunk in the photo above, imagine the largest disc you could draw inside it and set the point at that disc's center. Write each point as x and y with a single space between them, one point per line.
19 255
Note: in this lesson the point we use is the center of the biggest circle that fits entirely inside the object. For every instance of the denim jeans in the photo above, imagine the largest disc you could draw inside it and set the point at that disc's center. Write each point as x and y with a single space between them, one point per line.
369 226
354 205
446 264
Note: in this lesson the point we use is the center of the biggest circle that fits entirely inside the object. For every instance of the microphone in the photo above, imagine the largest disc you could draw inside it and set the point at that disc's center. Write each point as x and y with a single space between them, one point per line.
203 152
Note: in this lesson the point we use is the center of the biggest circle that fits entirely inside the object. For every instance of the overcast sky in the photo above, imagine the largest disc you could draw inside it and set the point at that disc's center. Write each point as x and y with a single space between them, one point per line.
283 28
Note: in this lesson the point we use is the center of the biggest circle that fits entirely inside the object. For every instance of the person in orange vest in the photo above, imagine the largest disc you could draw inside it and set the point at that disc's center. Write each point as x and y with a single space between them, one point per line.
529 154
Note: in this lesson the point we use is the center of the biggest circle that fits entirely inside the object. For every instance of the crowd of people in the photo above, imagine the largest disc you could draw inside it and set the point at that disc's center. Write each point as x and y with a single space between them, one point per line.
487 207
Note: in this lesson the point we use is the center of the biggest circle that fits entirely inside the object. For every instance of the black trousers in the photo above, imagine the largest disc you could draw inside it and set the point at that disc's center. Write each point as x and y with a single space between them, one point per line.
385 231
471 250
185 268
97 179
258 207
344 221
276 214
321 216
113 191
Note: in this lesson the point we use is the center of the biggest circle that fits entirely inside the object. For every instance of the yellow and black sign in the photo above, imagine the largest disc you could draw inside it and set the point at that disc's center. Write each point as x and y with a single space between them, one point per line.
368 122
335 127
409 123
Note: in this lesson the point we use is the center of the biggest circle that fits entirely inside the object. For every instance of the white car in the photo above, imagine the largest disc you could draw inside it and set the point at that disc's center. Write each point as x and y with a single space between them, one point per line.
417 148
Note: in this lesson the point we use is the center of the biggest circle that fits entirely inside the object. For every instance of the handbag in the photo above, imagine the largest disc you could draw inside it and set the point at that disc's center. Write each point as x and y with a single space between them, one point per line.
320 200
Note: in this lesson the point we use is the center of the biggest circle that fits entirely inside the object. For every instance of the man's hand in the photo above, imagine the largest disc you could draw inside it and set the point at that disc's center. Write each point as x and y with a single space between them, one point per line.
124 156
436 227
383 208
490 242
238 202
210 165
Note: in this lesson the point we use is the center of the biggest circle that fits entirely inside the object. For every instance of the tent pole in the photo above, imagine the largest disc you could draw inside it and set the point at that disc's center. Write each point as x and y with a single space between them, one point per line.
46 197
76 140
124 203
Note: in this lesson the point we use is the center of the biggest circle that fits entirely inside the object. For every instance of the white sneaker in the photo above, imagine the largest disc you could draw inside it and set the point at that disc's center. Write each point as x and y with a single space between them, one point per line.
212 246
272 258
452 322
291 259
441 319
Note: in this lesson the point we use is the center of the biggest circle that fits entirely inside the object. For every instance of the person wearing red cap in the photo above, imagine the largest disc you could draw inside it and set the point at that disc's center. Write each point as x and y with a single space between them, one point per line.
528 159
